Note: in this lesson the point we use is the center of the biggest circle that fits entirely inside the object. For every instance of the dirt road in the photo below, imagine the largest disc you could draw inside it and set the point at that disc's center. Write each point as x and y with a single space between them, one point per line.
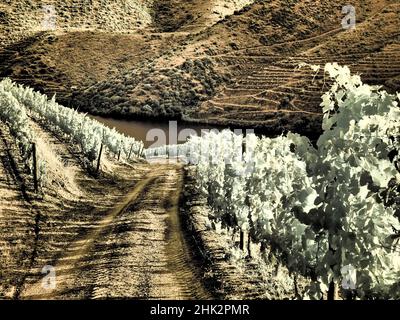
137 250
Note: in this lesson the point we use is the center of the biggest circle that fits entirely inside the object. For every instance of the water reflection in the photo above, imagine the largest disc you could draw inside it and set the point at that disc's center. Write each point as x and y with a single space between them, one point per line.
150 131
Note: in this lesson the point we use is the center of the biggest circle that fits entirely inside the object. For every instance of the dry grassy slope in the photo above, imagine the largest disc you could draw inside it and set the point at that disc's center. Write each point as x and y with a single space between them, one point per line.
257 49
36 229
267 91
185 77
25 17
197 61
269 22
31 58
192 15
66 62
93 42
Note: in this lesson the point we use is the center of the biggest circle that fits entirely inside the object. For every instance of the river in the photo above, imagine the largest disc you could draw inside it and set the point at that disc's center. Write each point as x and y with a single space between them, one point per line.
155 133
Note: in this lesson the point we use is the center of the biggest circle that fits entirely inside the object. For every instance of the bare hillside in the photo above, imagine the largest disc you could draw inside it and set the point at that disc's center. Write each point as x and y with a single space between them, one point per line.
224 62
192 15
26 17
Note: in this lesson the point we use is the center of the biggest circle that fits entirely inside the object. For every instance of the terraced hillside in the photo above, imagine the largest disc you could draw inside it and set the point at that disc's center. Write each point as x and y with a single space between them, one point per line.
269 88
206 62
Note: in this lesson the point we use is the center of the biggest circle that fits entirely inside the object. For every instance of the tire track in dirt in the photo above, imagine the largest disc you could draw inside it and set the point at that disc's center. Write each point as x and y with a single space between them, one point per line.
146 255
138 250
77 250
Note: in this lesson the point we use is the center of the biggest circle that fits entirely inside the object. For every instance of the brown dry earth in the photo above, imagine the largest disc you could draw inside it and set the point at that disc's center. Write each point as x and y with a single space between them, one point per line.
136 250
133 236
142 234
17 224
201 60
119 236
268 89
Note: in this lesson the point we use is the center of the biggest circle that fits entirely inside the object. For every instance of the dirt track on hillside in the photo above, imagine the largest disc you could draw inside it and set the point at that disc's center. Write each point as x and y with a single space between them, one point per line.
138 250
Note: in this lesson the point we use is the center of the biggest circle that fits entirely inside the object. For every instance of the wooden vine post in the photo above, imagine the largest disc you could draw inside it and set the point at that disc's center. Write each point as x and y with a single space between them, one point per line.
130 151
247 199
120 150
140 151
35 169
249 244
333 290
241 240
100 153
99 158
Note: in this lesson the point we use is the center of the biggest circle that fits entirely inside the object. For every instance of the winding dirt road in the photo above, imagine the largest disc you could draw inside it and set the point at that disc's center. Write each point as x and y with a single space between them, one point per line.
137 250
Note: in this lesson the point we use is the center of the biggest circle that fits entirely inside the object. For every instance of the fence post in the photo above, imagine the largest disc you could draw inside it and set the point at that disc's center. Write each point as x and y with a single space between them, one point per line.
241 241
139 152
247 199
99 158
35 172
241 232
263 247
249 244
130 152
189 155
119 154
